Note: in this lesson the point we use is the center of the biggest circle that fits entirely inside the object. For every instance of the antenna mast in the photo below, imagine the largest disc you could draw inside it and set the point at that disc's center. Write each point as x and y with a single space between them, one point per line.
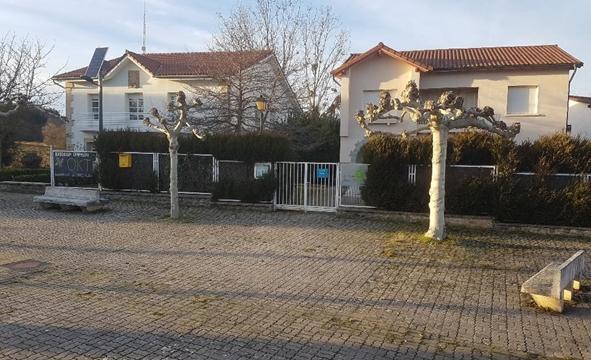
144 37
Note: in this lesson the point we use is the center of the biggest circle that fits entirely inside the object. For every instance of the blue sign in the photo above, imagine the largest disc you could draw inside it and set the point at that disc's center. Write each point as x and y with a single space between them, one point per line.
322 173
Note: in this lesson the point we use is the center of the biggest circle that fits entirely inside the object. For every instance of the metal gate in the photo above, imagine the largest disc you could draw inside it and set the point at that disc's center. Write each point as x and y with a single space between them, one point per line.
307 186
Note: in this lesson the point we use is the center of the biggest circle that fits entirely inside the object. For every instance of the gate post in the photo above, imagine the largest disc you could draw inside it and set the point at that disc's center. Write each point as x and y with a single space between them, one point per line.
305 186
337 202
51 167
156 168
274 168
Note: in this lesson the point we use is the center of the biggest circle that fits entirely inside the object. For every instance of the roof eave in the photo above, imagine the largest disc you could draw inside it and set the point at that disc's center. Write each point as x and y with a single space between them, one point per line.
378 49
508 68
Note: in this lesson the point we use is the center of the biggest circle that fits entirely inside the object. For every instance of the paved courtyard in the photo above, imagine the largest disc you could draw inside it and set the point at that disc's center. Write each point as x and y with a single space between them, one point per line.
229 284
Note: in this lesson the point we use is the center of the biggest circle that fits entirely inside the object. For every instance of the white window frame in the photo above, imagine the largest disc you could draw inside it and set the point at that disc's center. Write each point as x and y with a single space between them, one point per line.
171 97
135 110
532 108
377 97
94 110
375 100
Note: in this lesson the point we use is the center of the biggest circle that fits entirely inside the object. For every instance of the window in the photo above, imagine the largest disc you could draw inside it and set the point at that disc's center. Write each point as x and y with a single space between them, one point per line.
172 98
373 96
136 107
522 100
469 94
94 106
133 79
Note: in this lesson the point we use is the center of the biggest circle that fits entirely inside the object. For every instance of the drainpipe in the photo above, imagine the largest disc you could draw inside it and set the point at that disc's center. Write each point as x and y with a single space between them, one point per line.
335 81
58 84
567 126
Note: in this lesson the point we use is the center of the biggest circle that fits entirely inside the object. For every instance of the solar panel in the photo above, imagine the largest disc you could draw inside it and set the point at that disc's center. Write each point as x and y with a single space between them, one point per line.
96 62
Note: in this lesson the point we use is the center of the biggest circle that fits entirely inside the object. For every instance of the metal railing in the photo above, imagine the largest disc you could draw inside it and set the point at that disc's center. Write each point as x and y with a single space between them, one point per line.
112 120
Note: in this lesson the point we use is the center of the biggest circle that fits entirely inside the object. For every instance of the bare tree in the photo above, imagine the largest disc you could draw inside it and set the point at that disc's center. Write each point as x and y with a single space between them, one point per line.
229 105
308 42
172 127
22 81
439 117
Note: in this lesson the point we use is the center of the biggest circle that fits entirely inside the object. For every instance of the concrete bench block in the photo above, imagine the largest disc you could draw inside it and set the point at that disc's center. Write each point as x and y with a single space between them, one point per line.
66 198
555 283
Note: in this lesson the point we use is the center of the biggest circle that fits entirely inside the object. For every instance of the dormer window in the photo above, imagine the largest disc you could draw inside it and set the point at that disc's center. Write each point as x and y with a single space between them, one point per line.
133 79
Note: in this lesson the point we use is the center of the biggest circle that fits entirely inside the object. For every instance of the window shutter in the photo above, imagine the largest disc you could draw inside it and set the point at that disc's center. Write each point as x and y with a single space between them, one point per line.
522 100
133 79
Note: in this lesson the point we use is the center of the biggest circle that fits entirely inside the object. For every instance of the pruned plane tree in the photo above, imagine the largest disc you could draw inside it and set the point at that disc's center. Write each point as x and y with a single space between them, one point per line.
439 117
173 126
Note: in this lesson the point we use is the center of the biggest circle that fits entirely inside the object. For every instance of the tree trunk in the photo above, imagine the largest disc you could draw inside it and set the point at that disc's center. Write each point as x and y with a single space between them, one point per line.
437 191
173 188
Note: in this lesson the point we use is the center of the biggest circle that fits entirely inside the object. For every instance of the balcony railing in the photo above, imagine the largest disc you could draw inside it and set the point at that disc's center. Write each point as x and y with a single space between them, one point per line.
111 120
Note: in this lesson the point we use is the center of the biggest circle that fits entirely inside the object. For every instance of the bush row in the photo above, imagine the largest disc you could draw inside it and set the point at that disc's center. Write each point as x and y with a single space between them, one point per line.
249 191
30 175
247 147
558 153
536 199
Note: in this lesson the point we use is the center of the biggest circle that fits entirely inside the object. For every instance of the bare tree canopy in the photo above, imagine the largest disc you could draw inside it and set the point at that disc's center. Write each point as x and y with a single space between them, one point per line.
22 78
229 105
308 42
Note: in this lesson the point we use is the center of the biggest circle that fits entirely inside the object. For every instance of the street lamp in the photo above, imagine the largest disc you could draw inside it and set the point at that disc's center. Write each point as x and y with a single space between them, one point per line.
100 86
261 104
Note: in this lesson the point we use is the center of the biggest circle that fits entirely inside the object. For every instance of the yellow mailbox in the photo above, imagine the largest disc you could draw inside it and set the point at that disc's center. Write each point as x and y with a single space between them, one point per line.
124 160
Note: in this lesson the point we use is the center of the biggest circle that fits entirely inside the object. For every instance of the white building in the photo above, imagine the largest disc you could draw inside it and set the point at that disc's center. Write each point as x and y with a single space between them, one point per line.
579 115
134 83
526 84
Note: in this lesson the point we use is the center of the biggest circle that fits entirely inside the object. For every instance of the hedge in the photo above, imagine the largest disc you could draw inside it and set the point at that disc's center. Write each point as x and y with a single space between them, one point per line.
28 175
246 147
249 191
510 198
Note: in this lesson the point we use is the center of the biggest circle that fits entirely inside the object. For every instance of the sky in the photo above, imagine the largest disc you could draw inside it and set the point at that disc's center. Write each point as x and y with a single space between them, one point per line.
74 28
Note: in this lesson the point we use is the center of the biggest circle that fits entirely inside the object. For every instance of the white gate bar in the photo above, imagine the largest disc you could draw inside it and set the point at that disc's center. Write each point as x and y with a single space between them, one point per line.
305 186
156 166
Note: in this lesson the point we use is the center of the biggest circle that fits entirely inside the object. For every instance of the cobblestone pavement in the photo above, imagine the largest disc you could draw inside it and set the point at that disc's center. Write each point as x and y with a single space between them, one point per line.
229 284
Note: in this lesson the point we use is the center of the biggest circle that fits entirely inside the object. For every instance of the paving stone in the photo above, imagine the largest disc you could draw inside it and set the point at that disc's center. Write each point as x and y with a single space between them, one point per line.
231 284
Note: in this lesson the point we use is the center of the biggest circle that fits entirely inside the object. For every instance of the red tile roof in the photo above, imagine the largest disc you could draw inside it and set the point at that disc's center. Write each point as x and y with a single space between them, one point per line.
474 59
190 64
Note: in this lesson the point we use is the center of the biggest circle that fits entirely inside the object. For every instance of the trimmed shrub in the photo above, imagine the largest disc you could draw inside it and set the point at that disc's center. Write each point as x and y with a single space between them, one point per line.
246 147
534 201
538 199
248 191
473 196
30 175
313 136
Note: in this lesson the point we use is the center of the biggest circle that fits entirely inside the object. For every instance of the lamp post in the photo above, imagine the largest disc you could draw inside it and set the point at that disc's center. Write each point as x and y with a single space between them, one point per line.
261 104
100 86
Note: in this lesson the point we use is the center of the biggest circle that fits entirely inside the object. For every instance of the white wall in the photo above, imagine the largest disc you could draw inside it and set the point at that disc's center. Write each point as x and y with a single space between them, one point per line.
493 88
579 117
383 72
376 73
115 101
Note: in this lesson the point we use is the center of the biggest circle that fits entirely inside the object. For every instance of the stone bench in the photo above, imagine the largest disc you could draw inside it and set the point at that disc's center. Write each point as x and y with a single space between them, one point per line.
68 198
555 283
